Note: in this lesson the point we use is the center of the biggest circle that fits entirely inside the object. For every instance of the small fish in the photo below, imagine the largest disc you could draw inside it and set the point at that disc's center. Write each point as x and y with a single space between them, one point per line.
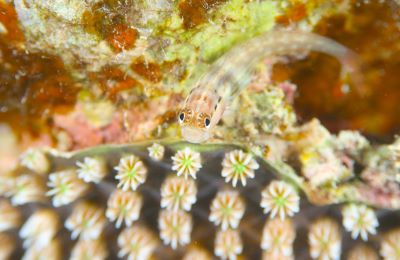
230 74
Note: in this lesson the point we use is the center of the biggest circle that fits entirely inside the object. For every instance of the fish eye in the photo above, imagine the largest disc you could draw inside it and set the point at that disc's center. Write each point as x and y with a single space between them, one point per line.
182 116
207 122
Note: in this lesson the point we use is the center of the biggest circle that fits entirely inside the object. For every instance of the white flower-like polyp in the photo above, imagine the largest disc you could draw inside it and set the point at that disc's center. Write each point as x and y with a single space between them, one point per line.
89 249
92 169
86 220
186 162
324 239
131 172
137 242
227 209
280 199
178 193
51 251
65 187
359 220
228 244
175 227
35 160
124 206
156 151
28 188
238 165
390 245
278 237
40 228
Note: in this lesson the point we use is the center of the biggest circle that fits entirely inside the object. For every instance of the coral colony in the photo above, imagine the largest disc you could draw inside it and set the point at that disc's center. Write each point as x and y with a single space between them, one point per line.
182 208
162 129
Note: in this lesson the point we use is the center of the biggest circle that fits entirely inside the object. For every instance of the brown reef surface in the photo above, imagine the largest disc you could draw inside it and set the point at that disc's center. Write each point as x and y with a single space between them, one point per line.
373 31
36 86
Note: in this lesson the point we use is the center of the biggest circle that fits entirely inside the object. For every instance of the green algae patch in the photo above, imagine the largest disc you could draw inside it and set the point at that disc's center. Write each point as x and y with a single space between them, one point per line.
231 23
234 22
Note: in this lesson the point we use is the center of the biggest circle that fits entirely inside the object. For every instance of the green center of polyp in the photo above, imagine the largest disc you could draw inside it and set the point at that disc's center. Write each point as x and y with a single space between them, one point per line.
175 229
360 221
131 173
187 162
134 247
227 211
177 196
239 168
63 188
85 224
280 201
122 209
20 188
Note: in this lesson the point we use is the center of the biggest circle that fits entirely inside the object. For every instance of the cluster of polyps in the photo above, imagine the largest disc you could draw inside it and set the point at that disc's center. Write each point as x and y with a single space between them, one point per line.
178 194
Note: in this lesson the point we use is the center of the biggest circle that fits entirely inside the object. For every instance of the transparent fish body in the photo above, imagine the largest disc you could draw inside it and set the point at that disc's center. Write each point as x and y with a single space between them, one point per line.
230 74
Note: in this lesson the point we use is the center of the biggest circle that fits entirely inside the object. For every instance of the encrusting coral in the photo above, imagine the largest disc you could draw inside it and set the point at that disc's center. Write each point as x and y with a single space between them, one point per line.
184 213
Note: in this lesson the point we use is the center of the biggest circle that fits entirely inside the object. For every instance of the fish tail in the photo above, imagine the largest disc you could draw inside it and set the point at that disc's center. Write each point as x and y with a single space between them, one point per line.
351 72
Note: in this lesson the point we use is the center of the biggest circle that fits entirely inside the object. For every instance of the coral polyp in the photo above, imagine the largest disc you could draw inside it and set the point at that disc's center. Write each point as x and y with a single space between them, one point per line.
27 189
40 229
280 200
65 187
278 237
175 228
178 193
227 209
390 247
238 165
173 215
91 169
186 162
325 239
359 220
131 172
156 151
228 244
89 249
86 221
35 160
124 207
137 242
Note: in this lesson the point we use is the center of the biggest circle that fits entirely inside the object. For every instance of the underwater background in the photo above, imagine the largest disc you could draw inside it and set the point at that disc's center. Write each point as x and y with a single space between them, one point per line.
305 163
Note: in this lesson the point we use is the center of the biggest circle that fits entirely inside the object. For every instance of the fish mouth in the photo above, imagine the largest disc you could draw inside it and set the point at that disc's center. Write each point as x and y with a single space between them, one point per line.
195 135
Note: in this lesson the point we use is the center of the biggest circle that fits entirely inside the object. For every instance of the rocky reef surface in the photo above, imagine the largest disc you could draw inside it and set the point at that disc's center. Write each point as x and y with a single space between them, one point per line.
305 163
